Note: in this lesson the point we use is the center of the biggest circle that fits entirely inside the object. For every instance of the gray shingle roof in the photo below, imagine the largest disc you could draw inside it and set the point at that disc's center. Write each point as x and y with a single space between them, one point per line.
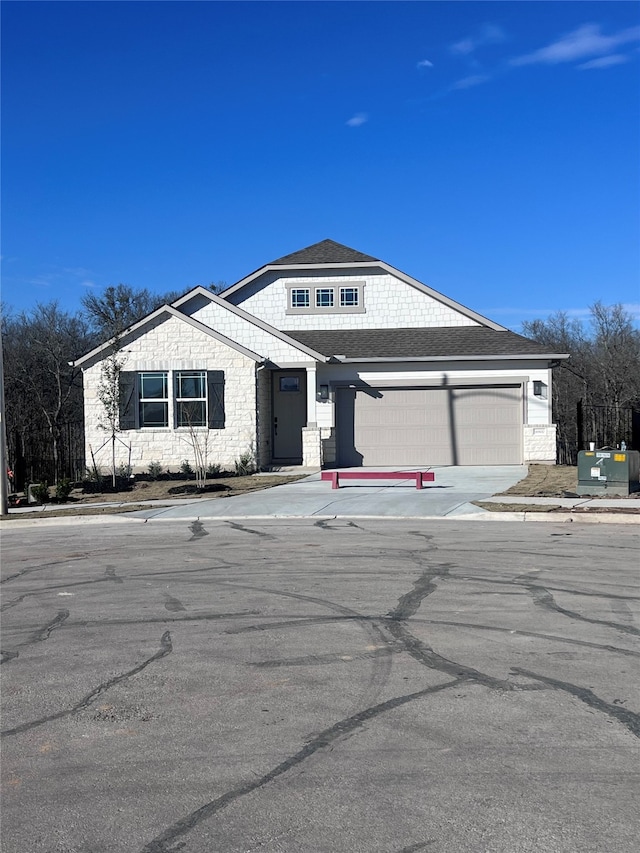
325 252
444 342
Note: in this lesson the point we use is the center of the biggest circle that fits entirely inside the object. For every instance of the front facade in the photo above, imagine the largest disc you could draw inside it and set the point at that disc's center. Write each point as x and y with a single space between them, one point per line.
326 357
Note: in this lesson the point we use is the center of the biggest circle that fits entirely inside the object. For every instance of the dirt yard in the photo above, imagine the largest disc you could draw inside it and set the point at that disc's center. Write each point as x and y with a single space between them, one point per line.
161 489
546 481
155 490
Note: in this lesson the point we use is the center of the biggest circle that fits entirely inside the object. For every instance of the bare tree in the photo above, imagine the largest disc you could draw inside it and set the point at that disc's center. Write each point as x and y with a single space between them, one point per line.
109 396
119 306
603 371
43 390
197 438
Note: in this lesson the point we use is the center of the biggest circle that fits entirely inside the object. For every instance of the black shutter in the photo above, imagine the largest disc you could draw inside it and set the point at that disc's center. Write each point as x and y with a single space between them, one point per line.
127 399
176 384
215 392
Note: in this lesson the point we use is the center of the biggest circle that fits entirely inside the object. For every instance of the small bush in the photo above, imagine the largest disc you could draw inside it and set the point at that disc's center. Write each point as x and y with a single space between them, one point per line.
63 489
246 463
93 474
155 470
213 469
41 492
186 470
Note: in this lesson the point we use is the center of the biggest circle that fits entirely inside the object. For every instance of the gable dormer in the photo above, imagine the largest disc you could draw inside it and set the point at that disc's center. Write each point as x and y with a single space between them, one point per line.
330 286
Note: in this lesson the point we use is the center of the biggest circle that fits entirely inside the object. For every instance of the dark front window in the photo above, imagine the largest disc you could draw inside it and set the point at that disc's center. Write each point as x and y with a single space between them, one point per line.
154 400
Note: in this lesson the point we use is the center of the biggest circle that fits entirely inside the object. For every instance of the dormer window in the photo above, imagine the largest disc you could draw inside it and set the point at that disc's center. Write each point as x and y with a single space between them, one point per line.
326 299
349 297
300 297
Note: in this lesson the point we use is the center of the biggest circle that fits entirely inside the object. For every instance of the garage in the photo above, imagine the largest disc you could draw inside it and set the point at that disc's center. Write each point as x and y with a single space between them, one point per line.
458 425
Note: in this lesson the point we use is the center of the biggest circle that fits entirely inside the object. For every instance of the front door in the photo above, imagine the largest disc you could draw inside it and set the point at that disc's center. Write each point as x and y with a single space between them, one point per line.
289 414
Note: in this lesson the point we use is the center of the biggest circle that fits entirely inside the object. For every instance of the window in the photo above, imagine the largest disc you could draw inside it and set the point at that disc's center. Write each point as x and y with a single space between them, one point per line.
331 298
197 399
289 383
349 297
300 297
191 398
154 400
324 297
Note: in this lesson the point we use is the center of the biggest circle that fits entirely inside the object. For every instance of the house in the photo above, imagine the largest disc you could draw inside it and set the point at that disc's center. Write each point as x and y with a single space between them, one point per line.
326 357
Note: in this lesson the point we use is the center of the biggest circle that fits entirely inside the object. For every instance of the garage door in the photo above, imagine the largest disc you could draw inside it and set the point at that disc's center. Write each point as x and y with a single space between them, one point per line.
473 425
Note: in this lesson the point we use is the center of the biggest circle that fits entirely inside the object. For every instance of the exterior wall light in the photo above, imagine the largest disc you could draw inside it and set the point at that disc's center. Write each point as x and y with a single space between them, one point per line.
324 392
540 389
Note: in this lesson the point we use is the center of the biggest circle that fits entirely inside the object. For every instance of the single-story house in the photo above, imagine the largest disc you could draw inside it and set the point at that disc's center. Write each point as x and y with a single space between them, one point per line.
325 357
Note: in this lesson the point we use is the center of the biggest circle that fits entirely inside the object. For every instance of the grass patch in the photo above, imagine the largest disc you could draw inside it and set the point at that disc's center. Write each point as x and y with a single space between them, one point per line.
77 510
507 507
546 481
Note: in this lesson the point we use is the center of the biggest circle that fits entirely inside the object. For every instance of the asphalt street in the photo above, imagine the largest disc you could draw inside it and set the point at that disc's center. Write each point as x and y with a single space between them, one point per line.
377 686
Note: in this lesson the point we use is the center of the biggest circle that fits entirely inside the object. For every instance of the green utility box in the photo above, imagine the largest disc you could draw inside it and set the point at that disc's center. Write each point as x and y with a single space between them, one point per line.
612 471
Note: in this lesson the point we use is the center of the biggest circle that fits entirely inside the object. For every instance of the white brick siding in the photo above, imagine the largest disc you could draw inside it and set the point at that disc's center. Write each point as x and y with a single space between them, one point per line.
172 344
389 303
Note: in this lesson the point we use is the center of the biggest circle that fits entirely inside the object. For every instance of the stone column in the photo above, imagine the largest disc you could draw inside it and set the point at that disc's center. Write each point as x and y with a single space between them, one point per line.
311 396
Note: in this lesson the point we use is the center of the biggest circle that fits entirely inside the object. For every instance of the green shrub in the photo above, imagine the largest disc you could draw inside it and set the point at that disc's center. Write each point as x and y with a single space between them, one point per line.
155 470
186 470
41 492
246 463
63 489
213 469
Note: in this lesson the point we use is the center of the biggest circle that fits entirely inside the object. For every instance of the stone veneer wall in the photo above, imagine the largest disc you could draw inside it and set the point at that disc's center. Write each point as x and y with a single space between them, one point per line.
172 344
540 443
311 448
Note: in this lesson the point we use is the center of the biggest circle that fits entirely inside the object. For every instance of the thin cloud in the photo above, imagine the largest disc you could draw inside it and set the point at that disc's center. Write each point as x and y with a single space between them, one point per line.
88 284
604 61
488 34
77 271
631 308
43 280
587 41
424 63
470 82
357 120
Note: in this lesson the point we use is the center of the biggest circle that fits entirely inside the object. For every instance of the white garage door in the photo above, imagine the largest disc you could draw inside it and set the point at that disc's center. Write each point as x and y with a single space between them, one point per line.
473 425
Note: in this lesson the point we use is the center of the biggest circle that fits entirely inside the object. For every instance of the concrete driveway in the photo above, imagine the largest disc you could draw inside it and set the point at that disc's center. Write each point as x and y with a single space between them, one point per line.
450 495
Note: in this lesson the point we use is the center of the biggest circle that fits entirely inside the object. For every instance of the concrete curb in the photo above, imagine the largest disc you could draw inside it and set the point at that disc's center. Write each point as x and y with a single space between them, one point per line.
558 518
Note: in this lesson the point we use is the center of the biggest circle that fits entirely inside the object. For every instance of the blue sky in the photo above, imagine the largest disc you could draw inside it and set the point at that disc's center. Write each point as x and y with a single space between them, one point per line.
488 149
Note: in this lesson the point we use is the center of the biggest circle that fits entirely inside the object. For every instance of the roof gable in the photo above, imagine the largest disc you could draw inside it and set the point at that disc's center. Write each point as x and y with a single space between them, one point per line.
324 252
329 255
162 313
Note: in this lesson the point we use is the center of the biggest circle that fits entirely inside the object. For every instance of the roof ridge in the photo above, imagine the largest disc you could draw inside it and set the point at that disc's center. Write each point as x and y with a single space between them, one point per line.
324 252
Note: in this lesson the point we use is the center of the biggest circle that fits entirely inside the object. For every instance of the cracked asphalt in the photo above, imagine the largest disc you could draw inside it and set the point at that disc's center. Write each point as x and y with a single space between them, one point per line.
300 685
